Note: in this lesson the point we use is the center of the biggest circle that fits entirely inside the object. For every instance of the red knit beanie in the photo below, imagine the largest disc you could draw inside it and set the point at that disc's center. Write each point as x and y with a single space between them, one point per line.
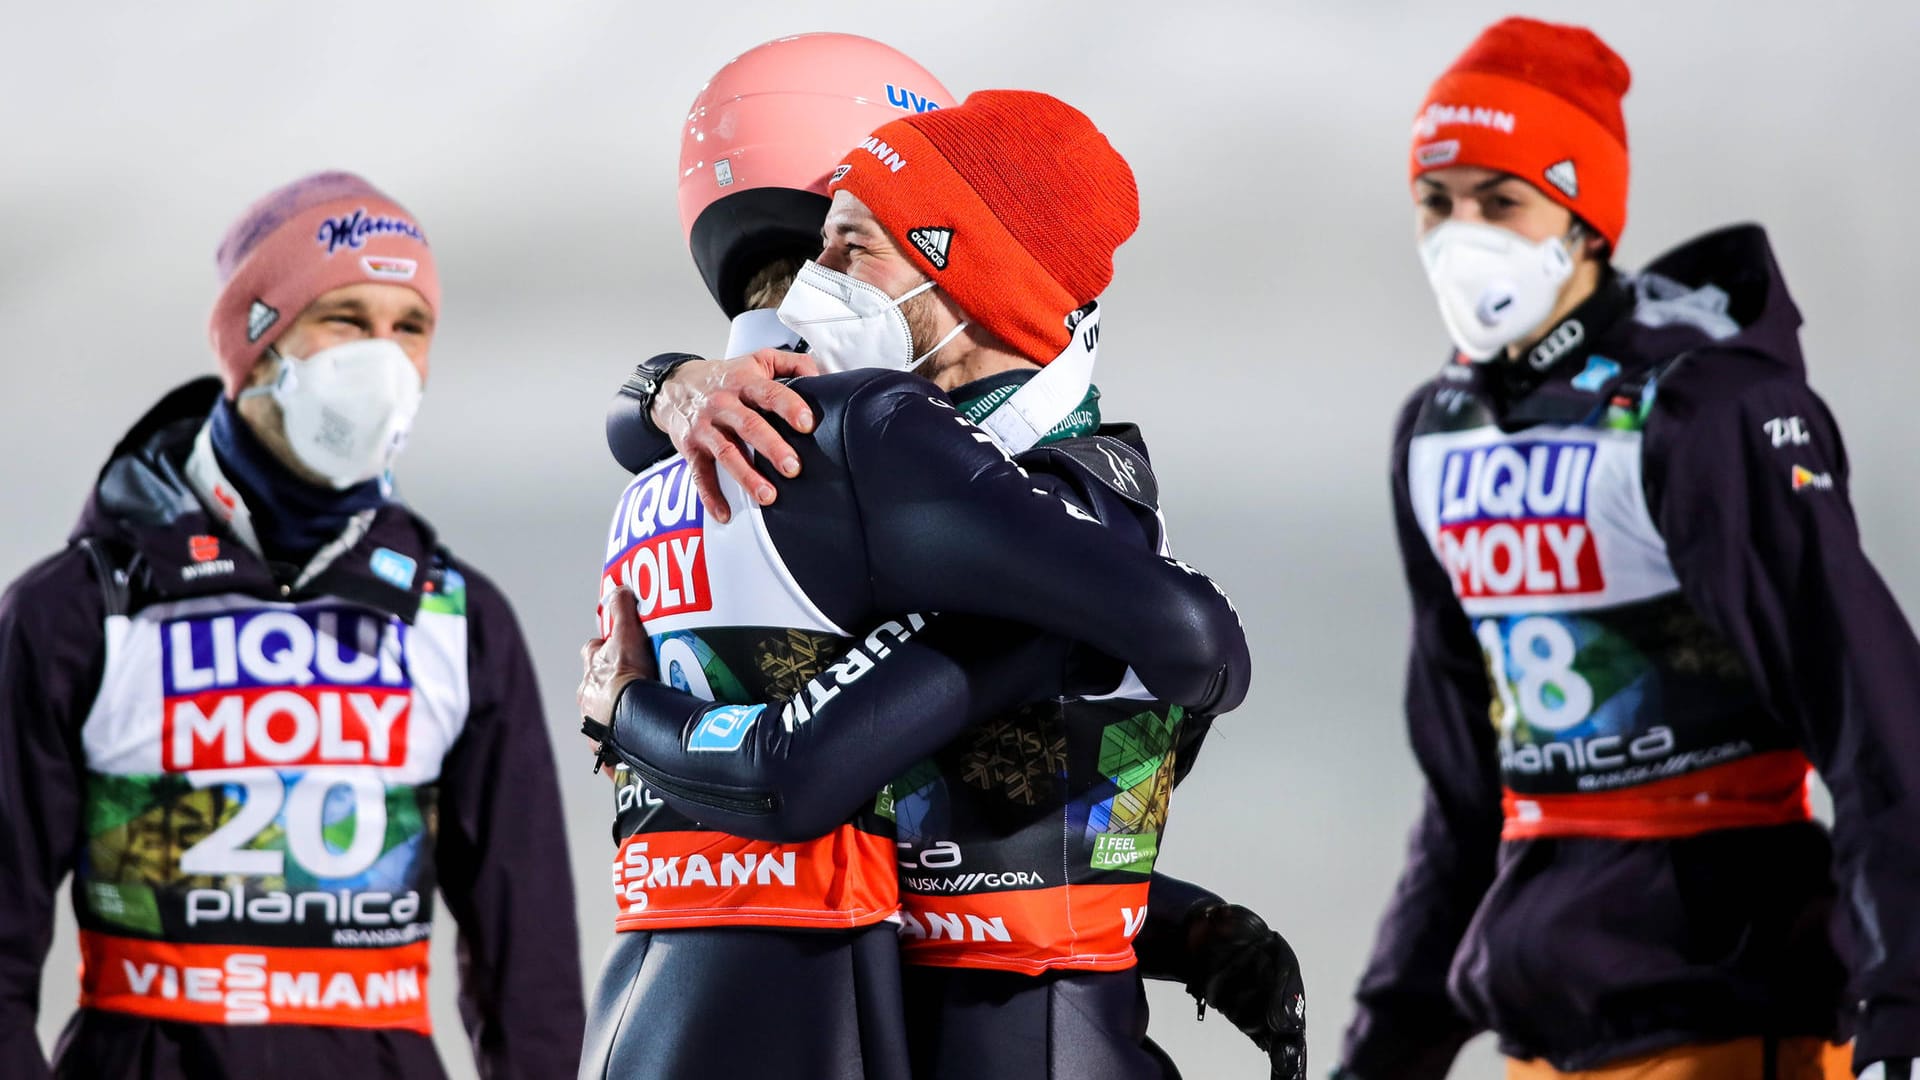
1541 101
1012 201
309 237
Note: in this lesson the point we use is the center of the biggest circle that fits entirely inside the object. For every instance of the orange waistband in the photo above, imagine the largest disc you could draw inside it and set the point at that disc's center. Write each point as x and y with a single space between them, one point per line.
1066 927
250 984
1765 789
1806 1058
667 880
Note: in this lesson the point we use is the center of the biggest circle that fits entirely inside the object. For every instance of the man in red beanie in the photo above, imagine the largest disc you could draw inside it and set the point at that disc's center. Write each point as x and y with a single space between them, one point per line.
1642 619
1019 965
260 714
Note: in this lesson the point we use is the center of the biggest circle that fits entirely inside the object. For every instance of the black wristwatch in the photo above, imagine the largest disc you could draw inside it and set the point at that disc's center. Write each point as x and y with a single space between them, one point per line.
647 376
635 440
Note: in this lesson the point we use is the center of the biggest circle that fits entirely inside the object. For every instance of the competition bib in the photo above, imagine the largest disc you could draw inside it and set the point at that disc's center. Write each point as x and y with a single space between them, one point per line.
260 812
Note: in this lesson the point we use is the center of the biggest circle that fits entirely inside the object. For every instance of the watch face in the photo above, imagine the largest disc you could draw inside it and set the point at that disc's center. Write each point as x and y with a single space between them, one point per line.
640 384
648 374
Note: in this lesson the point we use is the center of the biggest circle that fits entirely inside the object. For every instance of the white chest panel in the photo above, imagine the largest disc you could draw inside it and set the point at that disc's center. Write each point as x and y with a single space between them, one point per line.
1544 520
229 682
690 572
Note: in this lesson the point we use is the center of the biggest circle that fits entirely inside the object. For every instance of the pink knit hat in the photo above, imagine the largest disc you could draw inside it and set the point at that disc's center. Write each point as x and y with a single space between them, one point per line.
310 237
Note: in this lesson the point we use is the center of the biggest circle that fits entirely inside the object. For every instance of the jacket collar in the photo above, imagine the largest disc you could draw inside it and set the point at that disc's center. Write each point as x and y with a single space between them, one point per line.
162 496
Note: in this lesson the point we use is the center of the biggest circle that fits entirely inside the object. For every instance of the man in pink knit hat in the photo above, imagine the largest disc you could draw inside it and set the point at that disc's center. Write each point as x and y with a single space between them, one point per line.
261 714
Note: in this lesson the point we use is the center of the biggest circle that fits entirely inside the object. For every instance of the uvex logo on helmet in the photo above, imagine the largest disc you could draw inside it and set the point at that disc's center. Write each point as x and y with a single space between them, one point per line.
284 688
1513 521
902 98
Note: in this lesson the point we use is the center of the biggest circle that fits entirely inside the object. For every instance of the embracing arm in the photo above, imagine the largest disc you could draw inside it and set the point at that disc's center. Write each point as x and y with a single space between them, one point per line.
709 410
1749 488
953 524
792 769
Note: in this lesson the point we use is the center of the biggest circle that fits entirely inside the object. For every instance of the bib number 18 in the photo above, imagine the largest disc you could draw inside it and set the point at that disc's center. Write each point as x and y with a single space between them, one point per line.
1532 671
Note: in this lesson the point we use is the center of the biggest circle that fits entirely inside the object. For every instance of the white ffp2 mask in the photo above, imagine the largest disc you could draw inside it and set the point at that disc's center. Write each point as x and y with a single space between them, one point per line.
851 324
347 409
1494 285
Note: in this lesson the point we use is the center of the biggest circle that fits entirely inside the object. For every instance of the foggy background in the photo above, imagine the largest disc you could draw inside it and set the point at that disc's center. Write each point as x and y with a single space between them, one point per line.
1265 322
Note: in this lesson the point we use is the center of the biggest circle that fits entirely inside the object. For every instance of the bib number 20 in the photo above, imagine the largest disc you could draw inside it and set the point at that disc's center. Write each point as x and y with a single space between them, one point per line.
224 851
1532 671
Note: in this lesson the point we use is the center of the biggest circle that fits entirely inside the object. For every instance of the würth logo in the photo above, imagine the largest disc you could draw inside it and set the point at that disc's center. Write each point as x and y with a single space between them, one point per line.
933 243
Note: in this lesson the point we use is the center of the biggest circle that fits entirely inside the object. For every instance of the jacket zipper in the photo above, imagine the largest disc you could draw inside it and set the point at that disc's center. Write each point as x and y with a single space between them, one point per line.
693 791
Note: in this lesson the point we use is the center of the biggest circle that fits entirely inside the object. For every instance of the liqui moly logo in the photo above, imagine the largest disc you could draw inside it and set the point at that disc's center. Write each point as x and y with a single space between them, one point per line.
1513 520
284 689
657 544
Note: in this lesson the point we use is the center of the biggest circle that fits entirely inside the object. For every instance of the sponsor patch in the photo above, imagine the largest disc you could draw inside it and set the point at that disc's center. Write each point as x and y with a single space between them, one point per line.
1440 114
1513 520
256 984
1121 851
393 568
1562 340
690 877
1122 469
724 728
1561 174
1600 371
1787 431
933 243
1805 478
389 268
969 883
203 548
211 568
279 689
839 173
1435 154
353 230
657 545
260 318
888 155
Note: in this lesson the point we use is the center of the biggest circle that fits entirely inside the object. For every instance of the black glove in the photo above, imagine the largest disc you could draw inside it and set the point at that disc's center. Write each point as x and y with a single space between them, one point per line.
1248 973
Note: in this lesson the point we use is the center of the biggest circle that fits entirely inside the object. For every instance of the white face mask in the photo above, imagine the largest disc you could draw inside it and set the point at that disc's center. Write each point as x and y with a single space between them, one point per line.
1494 285
850 324
347 409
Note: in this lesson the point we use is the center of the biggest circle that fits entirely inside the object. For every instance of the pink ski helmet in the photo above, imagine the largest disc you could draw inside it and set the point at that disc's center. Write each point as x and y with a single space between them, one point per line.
763 136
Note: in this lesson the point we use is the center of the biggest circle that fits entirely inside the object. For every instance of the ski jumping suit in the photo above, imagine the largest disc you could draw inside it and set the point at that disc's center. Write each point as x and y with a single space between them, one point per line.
1641 615
258 787
902 506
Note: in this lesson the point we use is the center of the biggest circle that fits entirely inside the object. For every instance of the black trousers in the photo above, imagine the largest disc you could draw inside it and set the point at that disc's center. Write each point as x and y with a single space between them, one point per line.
723 1004
964 1024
